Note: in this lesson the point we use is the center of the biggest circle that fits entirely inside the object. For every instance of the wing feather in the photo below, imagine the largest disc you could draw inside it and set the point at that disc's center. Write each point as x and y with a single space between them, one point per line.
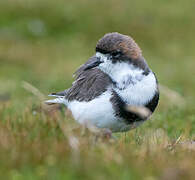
88 84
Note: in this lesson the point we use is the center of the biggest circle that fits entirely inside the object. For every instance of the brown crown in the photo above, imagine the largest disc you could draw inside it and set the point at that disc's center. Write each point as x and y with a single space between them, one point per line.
119 42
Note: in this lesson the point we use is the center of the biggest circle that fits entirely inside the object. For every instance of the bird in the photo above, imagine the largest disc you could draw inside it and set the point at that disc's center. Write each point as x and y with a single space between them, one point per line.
115 89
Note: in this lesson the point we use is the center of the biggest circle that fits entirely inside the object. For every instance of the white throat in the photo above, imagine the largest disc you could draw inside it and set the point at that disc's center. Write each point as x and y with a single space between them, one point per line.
132 85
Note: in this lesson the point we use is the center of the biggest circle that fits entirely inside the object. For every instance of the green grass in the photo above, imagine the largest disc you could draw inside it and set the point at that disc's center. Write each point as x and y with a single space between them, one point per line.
43 42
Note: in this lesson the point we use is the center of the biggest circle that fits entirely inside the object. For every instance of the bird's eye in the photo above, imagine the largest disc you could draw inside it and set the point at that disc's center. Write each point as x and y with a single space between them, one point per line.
116 54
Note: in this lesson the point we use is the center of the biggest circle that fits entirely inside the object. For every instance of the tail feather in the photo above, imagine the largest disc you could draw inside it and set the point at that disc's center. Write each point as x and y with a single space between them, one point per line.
59 98
54 95
62 93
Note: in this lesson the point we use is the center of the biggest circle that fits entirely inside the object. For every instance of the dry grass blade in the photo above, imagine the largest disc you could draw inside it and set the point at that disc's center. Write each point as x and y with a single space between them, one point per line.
141 111
29 87
51 110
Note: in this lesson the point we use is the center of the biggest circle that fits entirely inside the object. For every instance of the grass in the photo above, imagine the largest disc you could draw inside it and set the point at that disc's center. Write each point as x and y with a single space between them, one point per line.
43 42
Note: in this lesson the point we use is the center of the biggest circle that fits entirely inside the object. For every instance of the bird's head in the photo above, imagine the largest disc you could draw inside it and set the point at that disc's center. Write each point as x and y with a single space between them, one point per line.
118 47
115 48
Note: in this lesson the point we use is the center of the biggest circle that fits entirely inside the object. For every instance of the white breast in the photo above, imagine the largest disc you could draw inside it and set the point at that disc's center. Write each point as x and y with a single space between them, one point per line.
133 86
141 92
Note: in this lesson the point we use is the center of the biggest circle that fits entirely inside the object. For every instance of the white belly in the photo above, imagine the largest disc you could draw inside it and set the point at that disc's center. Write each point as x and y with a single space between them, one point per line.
100 113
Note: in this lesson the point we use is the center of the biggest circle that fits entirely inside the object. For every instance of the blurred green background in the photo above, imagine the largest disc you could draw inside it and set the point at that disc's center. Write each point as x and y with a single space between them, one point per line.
43 42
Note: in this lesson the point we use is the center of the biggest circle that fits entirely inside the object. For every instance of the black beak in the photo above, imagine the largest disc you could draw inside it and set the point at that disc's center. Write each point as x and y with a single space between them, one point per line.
93 64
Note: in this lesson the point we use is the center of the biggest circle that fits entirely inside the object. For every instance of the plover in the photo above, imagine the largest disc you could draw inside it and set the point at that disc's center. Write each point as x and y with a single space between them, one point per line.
111 85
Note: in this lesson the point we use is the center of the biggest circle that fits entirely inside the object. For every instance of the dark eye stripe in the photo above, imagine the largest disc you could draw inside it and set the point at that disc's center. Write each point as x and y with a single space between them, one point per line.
101 51
116 53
